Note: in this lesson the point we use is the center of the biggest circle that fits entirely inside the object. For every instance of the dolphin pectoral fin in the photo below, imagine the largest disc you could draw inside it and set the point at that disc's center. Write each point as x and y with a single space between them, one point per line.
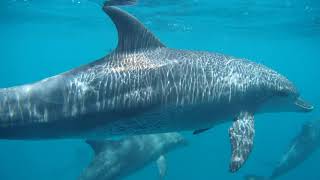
241 135
132 35
303 105
162 166
199 131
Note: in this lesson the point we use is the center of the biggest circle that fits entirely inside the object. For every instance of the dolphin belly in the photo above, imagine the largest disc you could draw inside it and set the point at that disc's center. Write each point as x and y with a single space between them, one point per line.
63 128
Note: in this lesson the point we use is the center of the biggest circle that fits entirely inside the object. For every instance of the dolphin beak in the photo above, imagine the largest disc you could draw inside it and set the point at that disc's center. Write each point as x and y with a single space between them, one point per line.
303 105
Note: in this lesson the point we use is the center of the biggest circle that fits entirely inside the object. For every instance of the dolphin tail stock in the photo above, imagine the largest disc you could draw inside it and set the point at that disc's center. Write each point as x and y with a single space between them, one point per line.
114 2
255 177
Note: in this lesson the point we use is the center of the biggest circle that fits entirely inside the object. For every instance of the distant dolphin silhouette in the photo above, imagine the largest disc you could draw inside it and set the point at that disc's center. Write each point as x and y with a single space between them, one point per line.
301 147
118 159
144 87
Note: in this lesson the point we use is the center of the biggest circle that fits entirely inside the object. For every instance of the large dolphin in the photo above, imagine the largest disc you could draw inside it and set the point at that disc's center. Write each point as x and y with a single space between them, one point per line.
145 87
116 159
301 147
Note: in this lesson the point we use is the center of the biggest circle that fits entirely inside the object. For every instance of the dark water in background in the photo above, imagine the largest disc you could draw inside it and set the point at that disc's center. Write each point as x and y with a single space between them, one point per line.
41 38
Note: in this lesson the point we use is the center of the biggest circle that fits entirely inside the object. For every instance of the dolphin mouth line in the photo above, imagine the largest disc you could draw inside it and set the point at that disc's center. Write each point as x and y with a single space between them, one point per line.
307 107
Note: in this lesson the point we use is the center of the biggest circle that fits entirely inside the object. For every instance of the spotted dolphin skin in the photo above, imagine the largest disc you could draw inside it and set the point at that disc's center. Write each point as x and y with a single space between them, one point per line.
300 149
143 87
120 158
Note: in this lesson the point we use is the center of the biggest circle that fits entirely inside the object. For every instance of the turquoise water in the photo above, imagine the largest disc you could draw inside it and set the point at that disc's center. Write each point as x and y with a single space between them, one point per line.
41 38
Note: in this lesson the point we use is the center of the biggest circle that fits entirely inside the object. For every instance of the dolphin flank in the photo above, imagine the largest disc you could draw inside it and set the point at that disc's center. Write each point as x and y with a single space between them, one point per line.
118 159
143 87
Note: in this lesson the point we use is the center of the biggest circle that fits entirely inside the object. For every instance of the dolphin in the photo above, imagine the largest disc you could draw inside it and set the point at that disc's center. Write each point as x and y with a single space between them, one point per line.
116 159
144 87
301 148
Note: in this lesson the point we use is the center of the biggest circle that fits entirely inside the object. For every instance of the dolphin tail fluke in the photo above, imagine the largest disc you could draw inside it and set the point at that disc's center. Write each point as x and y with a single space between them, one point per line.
254 177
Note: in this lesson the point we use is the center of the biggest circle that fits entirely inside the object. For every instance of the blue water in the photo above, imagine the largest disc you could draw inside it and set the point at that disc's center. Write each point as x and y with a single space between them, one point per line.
41 38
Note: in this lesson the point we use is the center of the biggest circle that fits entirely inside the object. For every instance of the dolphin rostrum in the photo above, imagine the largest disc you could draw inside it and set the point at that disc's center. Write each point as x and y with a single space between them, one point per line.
144 87
301 147
116 159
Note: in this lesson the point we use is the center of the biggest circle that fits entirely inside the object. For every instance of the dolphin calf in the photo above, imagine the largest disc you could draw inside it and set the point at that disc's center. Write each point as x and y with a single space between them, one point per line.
144 87
116 159
301 147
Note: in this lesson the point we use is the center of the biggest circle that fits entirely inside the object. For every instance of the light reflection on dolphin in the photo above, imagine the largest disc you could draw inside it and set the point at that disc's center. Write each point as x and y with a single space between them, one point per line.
144 87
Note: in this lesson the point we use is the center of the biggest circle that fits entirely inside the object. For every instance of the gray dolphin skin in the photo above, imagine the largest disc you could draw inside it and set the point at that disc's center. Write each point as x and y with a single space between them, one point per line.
118 159
144 87
301 147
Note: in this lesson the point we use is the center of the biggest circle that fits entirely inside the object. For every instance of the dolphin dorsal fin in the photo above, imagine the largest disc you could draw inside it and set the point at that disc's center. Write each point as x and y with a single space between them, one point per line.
132 35
97 146
100 145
